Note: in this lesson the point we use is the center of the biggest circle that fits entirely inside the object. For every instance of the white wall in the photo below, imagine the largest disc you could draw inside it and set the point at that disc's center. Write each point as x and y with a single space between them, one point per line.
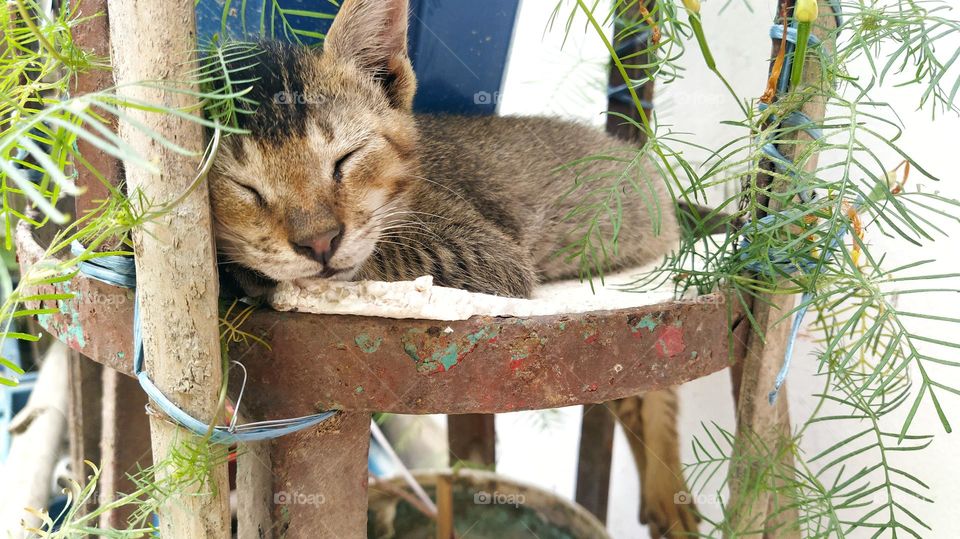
545 79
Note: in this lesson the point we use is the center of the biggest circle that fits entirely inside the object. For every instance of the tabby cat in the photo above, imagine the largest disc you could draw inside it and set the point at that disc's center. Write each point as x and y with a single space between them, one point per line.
339 179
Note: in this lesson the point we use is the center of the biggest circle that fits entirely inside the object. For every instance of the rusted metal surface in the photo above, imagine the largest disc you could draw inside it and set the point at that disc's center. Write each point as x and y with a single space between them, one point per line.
480 365
472 438
94 36
83 417
124 445
320 480
97 309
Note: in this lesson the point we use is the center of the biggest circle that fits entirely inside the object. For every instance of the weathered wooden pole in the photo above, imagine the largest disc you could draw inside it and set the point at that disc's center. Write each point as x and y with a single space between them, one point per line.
176 267
763 429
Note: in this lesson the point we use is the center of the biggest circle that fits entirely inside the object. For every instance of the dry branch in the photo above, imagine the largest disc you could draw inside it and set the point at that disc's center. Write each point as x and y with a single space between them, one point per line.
176 267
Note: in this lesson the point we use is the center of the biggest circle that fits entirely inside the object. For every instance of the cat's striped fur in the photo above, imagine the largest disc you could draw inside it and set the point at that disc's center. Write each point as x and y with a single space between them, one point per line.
477 202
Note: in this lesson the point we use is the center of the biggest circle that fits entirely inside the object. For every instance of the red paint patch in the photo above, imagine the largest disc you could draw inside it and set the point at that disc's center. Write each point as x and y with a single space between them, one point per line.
515 364
591 339
592 387
669 341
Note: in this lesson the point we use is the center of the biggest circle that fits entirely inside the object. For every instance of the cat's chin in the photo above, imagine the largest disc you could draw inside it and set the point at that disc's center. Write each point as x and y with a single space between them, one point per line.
329 274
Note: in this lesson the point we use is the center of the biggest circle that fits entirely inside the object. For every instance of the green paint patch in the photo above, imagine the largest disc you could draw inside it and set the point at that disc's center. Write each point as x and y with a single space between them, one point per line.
367 343
70 330
647 322
434 352
358 390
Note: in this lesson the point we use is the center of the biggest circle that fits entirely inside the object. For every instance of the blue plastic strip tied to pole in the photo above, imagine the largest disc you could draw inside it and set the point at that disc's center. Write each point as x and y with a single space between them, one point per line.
121 271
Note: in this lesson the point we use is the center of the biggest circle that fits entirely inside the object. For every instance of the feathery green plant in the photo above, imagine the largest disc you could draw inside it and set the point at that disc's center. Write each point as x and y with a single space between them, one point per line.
263 19
869 348
875 362
40 125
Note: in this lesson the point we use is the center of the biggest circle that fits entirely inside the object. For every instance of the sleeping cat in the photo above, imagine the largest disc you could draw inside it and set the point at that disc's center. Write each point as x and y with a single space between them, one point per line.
339 179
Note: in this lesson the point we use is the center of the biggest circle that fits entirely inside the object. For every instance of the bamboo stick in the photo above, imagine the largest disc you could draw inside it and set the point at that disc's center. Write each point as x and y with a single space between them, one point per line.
176 267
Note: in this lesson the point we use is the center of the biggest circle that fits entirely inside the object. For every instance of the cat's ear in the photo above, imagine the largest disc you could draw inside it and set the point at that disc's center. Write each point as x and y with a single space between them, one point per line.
373 35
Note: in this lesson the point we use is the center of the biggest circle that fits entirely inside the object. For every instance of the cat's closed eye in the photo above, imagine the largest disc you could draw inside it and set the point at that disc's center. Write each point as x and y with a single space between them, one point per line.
338 166
253 194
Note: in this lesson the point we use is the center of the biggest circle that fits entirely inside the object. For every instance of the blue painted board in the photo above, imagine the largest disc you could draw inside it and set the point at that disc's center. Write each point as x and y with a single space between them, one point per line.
459 48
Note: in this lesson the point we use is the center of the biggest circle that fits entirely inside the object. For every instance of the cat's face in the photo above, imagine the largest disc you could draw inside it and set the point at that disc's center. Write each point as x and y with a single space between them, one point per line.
323 174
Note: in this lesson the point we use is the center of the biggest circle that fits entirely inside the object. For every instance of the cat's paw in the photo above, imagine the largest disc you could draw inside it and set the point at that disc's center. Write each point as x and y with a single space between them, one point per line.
666 505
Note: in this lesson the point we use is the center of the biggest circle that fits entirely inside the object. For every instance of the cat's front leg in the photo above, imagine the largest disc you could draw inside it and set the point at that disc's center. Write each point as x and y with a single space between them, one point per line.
460 250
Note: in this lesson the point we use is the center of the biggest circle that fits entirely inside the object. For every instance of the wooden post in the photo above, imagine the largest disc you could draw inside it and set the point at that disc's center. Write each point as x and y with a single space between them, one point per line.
472 438
35 448
594 459
176 266
762 428
445 529
83 416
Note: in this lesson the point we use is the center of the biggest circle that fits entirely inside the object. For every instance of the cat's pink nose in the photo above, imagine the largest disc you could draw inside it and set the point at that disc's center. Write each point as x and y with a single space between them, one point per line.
322 246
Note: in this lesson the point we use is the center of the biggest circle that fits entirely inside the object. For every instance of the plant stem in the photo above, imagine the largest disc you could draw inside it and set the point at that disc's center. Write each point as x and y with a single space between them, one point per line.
803 35
708 57
28 20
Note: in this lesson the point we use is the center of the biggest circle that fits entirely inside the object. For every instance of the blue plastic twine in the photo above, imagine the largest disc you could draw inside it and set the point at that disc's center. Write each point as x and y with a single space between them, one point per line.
121 271
801 121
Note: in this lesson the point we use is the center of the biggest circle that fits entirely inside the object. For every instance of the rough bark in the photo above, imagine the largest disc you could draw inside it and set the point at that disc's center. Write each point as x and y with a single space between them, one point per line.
176 270
763 429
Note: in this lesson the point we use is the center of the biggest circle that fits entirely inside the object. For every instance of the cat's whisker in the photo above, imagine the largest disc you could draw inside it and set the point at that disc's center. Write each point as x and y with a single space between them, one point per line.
438 184
405 226
406 242
412 212
412 230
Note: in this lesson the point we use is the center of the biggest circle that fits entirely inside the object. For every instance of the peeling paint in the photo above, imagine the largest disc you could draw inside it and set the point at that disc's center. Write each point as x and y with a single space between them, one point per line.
516 360
646 322
669 341
68 326
590 335
434 351
367 343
